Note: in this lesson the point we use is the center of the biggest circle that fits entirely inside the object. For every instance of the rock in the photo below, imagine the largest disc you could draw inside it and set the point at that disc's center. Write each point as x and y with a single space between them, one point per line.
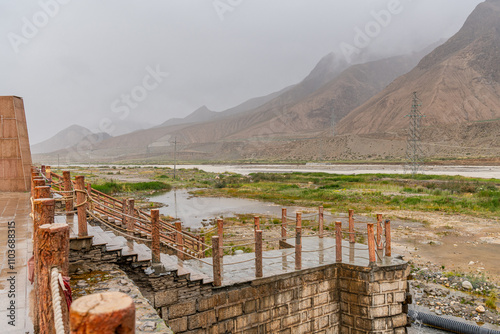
123 282
471 263
148 326
82 284
125 289
480 309
467 285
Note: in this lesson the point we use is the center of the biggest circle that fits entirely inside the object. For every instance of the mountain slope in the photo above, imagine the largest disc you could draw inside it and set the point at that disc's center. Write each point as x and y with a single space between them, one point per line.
68 137
457 82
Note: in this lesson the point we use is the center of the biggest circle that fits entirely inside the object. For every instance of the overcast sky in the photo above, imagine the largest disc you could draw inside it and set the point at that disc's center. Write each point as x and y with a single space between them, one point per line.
123 64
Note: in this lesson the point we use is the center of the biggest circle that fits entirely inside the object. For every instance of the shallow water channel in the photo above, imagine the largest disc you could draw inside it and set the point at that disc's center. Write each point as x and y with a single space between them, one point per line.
193 210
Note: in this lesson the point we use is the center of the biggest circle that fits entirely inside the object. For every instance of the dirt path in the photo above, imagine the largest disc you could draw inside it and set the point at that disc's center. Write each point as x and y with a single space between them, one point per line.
452 241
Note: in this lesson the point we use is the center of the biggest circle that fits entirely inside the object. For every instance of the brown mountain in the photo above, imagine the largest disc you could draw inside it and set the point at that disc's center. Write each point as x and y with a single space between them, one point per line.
458 82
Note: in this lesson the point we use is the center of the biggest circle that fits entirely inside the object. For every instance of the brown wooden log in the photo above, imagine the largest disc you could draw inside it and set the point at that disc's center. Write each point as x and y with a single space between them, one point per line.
338 241
352 236
103 313
298 241
217 265
42 169
81 197
380 244
220 234
203 247
388 250
179 240
38 182
52 251
283 224
67 186
42 192
125 211
371 243
256 223
155 235
321 221
131 212
48 173
258 254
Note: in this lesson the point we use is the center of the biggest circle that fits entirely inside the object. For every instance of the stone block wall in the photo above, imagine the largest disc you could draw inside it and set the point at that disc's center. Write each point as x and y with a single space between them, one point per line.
372 299
298 302
336 298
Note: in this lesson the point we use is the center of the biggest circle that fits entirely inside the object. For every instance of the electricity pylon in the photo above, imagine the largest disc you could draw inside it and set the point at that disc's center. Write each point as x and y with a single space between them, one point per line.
414 153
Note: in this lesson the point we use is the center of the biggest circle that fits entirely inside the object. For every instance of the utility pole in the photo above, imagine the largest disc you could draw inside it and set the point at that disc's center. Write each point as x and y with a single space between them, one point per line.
413 145
175 156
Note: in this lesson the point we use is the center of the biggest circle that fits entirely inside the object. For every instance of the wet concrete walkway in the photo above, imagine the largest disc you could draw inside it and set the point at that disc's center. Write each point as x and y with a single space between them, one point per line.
15 250
316 252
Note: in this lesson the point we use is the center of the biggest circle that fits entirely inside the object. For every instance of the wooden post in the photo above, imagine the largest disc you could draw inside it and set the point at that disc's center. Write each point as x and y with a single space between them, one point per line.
256 223
203 247
124 211
380 244
179 240
338 241
371 243
220 234
283 224
42 192
131 211
258 254
103 313
43 209
48 174
352 236
298 241
52 251
42 169
155 235
320 221
81 197
89 188
216 261
38 182
388 238
68 196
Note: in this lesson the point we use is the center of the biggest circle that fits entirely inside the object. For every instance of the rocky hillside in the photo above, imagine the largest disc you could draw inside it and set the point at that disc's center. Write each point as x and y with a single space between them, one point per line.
458 82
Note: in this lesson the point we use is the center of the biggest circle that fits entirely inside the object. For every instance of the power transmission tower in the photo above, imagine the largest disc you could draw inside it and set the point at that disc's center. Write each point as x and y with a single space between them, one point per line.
414 154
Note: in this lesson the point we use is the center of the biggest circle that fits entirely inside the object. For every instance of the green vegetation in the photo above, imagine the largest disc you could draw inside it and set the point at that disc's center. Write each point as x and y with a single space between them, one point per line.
366 192
491 301
113 187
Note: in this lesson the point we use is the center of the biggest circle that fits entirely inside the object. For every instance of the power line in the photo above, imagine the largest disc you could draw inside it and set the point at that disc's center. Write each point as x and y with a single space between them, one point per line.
414 154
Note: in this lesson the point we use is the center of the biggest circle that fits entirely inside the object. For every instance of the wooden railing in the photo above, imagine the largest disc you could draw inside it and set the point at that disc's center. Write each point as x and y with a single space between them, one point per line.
125 216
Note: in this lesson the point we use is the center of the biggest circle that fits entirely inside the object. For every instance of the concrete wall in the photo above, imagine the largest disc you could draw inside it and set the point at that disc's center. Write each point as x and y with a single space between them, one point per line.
15 155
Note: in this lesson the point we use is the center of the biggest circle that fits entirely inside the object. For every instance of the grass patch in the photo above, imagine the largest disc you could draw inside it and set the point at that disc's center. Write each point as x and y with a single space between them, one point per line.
113 187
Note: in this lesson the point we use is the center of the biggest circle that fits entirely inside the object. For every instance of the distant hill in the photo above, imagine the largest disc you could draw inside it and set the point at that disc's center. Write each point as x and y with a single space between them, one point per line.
66 138
457 82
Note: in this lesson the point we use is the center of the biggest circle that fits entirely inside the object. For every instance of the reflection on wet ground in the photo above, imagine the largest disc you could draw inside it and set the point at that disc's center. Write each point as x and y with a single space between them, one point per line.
192 210
15 207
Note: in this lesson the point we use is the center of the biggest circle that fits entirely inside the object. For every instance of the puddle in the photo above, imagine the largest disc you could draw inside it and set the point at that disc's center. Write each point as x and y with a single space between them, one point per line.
192 210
